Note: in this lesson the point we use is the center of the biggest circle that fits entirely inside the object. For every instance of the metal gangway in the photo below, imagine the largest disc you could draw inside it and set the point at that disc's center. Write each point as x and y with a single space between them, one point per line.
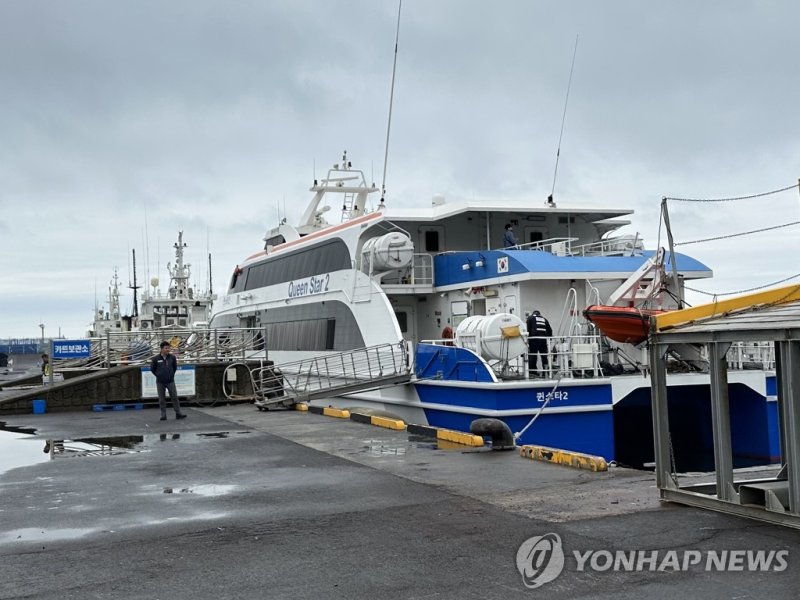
327 375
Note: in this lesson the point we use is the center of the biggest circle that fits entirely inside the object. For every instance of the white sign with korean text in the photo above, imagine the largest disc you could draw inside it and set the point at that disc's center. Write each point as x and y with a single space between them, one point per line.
184 382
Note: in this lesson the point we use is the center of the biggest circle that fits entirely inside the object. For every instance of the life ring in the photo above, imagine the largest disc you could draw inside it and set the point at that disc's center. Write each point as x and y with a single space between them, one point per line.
447 334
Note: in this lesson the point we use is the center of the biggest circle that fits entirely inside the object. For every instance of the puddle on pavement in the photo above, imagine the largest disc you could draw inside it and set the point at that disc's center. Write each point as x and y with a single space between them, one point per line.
221 434
19 446
35 534
414 443
20 450
207 490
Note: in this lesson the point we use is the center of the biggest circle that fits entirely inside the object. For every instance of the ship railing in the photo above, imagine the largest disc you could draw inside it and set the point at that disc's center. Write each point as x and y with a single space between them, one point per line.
189 345
331 374
751 355
625 245
558 245
566 356
419 272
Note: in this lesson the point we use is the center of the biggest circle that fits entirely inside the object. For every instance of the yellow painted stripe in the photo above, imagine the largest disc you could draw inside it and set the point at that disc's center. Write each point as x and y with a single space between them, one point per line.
769 297
565 457
388 423
336 412
301 406
458 437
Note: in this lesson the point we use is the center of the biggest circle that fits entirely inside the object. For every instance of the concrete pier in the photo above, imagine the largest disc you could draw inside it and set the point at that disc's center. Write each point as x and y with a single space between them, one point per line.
233 502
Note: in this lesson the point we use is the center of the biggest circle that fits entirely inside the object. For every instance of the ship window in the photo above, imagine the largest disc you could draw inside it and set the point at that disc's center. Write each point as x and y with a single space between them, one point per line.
563 220
275 240
402 321
238 279
330 334
431 241
323 258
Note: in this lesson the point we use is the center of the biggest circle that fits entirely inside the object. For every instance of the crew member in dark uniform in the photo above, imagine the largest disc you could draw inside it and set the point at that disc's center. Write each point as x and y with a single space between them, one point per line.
538 329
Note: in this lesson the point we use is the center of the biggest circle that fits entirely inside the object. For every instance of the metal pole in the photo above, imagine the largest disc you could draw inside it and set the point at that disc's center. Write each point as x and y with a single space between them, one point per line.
488 232
50 361
660 410
108 349
673 261
790 417
782 395
721 421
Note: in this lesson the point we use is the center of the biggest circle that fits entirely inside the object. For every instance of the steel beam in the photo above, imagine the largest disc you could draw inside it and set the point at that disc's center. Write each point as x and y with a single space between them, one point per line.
789 415
721 421
660 408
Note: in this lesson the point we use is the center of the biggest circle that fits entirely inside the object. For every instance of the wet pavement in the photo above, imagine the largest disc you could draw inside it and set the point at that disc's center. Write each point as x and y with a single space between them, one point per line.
233 502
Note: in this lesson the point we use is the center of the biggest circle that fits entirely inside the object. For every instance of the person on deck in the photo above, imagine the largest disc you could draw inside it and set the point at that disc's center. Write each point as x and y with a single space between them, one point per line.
509 239
538 330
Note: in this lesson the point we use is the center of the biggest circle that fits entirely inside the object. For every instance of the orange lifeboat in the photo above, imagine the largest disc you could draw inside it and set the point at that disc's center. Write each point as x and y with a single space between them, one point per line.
624 324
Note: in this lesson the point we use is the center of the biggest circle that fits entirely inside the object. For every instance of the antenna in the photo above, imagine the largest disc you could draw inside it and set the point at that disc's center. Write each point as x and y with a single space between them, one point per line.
135 287
391 102
210 281
550 201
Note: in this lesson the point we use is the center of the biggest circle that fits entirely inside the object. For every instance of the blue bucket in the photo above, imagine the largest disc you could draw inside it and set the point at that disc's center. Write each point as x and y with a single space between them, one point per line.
39 407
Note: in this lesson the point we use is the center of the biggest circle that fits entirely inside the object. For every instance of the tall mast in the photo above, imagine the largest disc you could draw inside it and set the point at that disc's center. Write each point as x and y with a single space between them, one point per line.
179 275
391 102
135 287
210 280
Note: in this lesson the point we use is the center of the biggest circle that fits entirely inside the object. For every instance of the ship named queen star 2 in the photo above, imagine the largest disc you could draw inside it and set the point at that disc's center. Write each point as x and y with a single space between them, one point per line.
441 280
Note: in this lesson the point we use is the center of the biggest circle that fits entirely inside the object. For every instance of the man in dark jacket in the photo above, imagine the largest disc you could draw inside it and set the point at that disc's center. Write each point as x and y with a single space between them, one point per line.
538 330
163 366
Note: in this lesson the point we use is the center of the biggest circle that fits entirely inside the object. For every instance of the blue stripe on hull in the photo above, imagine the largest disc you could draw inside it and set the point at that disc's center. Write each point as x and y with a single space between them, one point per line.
589 432
499 397
584 430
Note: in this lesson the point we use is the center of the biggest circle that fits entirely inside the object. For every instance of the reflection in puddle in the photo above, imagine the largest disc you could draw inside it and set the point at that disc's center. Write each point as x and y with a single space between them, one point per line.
208 490
221 434
19 450
415 442
14 429
19 447
99 446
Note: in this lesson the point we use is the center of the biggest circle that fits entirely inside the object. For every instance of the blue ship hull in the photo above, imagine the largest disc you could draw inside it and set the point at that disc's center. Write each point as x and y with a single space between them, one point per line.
455 387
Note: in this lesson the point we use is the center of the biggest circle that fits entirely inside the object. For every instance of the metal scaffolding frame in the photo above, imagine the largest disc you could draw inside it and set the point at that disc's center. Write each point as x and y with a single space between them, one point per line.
775 499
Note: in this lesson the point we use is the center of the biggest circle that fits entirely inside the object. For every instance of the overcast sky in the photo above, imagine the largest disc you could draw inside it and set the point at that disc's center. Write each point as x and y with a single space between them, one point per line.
203 116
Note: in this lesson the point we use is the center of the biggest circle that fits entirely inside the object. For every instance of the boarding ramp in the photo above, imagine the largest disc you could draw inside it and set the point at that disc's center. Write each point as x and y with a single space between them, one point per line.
339 374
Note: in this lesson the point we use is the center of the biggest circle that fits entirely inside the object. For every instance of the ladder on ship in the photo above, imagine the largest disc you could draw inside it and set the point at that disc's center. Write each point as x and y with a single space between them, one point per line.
328 375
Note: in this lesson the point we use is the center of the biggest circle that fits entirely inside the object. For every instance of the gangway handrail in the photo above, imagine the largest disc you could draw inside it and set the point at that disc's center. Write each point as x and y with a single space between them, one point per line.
332 374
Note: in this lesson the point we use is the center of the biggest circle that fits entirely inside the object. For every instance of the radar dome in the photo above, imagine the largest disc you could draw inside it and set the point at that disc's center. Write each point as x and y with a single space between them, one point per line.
154 281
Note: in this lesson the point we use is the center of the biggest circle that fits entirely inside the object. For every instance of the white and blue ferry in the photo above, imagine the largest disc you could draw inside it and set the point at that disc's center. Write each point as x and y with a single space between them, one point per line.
439 279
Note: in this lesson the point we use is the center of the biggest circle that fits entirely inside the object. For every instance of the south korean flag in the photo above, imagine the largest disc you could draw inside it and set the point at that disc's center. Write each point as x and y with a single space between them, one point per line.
502 264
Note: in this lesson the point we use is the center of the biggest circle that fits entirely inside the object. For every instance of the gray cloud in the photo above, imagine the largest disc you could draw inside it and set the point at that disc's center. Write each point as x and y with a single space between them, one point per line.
205 115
